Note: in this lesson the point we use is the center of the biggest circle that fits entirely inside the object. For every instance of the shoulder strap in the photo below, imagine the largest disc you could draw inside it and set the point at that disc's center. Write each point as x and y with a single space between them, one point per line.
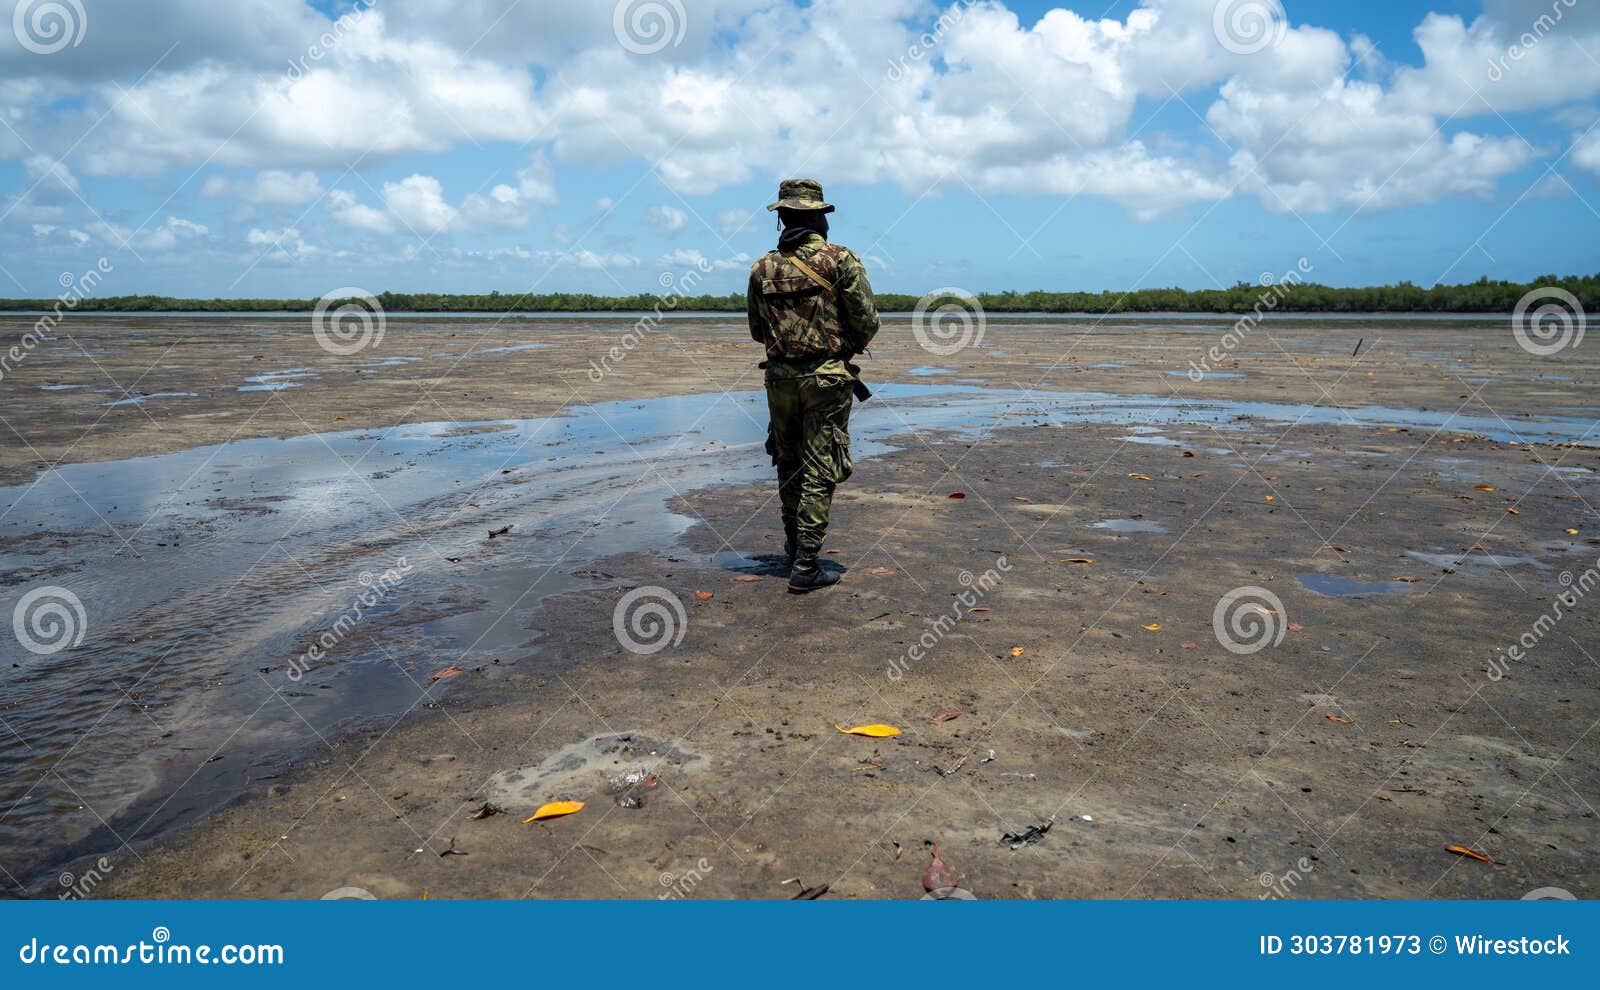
806 269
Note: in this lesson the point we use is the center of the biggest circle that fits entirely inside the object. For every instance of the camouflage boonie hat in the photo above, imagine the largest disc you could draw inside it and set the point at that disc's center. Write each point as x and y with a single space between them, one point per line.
800 194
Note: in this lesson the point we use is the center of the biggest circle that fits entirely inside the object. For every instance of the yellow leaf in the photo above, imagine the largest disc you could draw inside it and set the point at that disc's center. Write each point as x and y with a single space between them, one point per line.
1269 498
555 809
1141 477
1572 532
876 731
1154 627
1016 651
1484 488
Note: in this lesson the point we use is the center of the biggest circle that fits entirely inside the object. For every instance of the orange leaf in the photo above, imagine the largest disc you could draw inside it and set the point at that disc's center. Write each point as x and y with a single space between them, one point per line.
704 596
1154 627
1269 498
1464 851
1016 651
1337 720
1187 646
440 675
555 809
1484 488
1515 512
1077 560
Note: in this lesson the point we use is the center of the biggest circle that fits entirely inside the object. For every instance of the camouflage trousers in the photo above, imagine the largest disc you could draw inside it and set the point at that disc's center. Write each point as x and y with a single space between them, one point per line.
809 440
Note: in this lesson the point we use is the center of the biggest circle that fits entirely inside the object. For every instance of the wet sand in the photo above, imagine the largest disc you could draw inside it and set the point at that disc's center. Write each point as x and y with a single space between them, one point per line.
187 748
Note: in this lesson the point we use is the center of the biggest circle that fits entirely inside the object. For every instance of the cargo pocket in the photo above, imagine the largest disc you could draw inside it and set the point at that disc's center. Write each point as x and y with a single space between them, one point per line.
772 443
839 441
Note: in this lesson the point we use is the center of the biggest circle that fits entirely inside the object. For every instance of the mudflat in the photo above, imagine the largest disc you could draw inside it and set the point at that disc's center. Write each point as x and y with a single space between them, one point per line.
1291 627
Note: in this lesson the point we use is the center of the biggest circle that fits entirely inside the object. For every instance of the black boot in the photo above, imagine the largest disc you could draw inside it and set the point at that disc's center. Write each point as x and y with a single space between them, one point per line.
790 545
807 575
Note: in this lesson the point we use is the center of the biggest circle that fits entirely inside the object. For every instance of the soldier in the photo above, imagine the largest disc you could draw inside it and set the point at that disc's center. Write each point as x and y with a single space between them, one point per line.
810 305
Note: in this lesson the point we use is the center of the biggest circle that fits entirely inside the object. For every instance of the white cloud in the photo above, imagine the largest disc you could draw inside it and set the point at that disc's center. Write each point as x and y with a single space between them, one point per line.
1586 151
272 187
690 258
665 219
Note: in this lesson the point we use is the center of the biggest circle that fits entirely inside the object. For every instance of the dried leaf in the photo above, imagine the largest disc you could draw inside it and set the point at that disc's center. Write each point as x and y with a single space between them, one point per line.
1154 627
704 596
1021 498
555 809
1337 719
1572 532
1077 560
939 875
1268 498
1484 488
440 675
1515 512
1470 854
488 810
810 893
748 577
1187 646
881 570
958 494
946 714
1296 627
1017 651
876 731
1141 477
979 608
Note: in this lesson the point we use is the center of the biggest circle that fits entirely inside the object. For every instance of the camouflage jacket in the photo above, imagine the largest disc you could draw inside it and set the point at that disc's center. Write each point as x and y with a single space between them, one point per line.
801 324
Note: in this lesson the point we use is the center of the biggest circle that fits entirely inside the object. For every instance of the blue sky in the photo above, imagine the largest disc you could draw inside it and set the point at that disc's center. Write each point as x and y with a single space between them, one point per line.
528 146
